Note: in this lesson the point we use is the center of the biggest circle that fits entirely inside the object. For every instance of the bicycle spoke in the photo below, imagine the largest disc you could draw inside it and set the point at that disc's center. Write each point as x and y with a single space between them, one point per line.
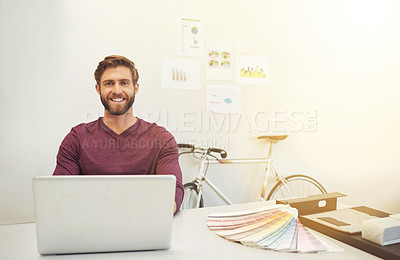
299 186
191 197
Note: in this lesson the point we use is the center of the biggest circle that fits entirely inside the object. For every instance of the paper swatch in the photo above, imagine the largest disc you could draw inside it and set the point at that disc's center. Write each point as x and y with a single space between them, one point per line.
274 228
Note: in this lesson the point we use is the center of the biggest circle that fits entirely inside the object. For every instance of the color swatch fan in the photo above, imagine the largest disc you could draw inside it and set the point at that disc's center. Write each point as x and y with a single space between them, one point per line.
274 227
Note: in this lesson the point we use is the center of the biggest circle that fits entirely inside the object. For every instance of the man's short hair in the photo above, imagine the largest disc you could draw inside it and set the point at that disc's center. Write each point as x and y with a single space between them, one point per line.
115 61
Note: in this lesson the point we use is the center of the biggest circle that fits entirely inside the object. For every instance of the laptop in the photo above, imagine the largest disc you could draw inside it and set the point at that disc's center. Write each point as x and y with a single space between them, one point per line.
86 214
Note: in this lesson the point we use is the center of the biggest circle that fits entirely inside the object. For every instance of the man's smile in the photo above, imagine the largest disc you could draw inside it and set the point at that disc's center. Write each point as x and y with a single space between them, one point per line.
117 99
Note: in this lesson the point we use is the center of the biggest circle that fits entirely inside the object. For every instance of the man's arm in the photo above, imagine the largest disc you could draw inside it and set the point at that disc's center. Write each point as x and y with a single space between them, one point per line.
168 163
68 156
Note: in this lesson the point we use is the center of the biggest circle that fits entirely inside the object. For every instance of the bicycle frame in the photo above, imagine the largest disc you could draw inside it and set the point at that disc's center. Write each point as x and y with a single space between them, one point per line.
281 182
201 176
270 169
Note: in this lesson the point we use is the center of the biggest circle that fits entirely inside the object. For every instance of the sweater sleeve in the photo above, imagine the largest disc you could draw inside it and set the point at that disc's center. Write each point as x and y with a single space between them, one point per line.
168 163
68 156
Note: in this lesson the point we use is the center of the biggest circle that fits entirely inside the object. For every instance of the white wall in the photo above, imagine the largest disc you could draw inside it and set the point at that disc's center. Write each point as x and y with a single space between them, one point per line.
338 58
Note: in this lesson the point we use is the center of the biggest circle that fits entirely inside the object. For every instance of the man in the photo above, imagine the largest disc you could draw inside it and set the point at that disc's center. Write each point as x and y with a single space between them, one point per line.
119 142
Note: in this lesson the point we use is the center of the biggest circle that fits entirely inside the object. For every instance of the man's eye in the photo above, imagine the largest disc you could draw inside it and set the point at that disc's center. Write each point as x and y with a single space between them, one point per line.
108 83
124 83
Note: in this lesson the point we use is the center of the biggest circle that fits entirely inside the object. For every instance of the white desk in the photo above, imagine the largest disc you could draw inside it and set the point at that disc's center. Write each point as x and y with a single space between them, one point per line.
191 239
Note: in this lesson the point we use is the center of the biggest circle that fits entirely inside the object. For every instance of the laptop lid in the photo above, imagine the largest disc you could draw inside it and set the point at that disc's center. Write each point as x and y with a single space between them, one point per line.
78 214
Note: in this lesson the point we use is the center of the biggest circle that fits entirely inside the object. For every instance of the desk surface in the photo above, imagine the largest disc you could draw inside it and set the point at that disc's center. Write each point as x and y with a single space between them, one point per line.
191 239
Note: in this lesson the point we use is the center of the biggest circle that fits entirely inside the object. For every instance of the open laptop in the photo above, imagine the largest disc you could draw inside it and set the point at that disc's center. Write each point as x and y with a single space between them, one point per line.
82 214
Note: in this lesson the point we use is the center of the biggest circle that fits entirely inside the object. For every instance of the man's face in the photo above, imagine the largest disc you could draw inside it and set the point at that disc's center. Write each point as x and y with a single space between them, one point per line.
116 90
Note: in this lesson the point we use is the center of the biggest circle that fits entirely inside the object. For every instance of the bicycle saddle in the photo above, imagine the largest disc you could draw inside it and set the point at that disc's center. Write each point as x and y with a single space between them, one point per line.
273 138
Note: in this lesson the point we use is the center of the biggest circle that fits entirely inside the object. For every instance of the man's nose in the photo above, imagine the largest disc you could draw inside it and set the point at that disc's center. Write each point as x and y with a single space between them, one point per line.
117 88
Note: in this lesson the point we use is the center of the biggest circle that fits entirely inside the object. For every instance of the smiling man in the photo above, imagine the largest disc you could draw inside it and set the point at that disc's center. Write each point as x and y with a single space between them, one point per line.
119 143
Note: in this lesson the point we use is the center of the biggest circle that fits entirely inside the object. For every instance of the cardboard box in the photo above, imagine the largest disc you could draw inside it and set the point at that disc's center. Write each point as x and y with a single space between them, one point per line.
328 202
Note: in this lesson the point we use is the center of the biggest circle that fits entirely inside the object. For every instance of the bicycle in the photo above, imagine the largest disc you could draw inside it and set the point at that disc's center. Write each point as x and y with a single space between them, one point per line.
292 186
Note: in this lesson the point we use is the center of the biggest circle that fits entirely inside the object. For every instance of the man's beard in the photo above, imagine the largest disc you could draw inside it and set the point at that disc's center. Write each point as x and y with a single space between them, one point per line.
117 111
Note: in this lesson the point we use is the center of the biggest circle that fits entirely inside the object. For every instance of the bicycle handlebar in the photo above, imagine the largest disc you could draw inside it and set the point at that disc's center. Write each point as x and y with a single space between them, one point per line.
191 146
222 152
208 150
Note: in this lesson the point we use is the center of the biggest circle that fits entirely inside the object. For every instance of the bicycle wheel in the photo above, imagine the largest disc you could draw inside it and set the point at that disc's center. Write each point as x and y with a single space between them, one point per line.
190 196
299 185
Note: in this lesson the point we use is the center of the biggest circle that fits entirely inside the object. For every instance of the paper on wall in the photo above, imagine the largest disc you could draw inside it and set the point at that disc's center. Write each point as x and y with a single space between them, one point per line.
180 74
252 70
190 40
219 60
224 99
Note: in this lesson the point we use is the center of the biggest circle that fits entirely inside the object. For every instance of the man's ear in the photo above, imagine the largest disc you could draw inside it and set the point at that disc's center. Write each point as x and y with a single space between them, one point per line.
98 88
136 88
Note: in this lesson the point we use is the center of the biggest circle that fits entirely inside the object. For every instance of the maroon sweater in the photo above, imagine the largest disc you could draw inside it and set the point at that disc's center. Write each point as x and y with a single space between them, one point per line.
143 148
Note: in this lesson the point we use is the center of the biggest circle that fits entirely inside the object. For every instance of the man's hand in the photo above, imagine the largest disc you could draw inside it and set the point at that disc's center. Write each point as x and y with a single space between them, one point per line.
174 207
